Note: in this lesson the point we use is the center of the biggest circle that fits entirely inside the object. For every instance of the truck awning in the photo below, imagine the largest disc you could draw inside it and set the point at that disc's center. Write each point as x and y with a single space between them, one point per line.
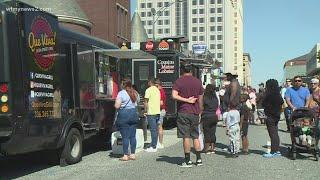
128 54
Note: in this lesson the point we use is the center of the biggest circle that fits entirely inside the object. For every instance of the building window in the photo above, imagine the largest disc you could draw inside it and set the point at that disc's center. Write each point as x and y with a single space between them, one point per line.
219 19
159 4
194 29
194 38
167 31
235 29
219 46
201 11
212 46
235 48
201 38
149 5
201 20
122 22
201 2
235 67
166 4
194 2
235 14
194 20
235 55
143 23
194 11
219 28
219 1
166 22
160 22
212 10
160 31
212 37
149 14
166 13
212 19
219 55
219 37
212 28
235 42
235 21
201 29
149 31
143 14
219 10
149 23
212 1
143 5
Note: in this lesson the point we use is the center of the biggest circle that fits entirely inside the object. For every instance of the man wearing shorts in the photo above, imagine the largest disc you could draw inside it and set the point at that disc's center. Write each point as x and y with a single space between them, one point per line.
188 91
163 99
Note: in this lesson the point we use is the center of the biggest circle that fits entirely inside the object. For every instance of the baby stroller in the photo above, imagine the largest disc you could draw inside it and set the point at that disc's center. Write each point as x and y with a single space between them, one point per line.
299 118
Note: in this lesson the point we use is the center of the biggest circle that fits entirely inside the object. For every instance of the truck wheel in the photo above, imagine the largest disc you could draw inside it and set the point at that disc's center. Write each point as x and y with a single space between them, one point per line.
72 150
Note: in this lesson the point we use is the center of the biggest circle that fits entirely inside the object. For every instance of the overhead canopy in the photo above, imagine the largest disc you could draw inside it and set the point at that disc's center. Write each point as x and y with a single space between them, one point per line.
128 54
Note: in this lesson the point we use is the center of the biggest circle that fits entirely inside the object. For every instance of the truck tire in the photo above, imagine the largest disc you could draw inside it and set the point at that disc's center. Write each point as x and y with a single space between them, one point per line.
72 150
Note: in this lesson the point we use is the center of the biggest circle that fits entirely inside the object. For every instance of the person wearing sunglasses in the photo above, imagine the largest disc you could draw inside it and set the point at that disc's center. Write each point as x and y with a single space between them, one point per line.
314 100
297 96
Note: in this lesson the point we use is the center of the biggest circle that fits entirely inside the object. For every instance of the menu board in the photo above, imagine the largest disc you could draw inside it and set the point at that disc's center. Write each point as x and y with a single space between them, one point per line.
167 70
41 52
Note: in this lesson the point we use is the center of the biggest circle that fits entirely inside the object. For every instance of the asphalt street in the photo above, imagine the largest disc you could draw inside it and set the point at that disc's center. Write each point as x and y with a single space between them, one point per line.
99 164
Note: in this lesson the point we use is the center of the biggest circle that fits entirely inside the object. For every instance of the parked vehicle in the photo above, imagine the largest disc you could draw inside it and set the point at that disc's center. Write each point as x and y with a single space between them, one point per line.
56 85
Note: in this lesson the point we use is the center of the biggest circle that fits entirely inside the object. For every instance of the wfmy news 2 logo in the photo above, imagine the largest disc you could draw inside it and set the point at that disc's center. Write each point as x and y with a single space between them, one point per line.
27 9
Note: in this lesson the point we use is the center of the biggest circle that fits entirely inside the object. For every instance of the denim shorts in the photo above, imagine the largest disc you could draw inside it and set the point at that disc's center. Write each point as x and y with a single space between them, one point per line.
162 115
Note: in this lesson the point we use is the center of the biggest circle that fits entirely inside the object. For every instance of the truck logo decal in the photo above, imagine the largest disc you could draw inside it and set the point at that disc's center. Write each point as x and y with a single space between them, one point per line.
42 42
163 46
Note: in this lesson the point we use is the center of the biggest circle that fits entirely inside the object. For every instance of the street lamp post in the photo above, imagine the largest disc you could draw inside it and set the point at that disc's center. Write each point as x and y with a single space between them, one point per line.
154 13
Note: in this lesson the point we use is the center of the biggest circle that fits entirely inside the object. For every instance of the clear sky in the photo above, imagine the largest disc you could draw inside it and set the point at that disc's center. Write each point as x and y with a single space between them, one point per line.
276 31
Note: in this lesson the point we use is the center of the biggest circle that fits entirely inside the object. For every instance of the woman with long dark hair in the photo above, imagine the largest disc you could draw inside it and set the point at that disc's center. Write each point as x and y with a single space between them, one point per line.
209 118
127 118
272 104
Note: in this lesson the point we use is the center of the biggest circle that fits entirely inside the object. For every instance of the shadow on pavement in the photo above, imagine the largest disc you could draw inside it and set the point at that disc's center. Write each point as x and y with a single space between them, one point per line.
171 160
20 165
258 152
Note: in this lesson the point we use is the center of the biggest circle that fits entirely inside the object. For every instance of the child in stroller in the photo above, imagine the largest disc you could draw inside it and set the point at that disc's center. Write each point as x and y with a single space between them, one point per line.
304 132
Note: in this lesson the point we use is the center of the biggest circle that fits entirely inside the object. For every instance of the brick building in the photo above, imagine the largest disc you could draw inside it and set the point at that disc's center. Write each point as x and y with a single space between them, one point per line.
110 19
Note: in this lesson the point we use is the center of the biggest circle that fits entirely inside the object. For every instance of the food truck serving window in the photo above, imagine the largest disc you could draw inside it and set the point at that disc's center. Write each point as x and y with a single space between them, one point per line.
105 68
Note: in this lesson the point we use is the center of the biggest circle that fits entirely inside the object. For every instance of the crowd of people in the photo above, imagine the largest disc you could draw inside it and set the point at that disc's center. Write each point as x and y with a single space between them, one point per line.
199 110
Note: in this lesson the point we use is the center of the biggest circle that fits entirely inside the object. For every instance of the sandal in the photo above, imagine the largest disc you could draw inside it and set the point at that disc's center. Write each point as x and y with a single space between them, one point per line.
124 158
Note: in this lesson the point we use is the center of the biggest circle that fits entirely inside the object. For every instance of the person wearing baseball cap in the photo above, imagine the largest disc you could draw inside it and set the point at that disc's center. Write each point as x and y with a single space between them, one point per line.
314 100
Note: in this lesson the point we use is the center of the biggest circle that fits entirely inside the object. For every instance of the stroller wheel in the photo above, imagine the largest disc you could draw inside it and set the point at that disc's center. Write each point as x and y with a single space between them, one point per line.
294 155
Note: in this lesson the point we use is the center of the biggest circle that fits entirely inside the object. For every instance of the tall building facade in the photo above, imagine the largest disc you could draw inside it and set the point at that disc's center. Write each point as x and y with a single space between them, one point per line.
170 19
216 23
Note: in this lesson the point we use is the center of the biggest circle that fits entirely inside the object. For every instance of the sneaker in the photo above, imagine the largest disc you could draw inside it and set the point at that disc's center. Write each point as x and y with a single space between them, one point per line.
151 150
199 162
271 155
186 165
160 146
